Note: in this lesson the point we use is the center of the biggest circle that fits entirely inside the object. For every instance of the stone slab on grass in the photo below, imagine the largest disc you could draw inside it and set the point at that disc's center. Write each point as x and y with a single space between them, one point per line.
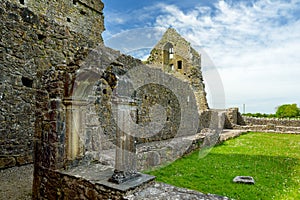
244 179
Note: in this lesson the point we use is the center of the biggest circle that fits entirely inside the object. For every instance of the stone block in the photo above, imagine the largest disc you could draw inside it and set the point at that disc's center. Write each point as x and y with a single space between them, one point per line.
6 162
21 160
244 179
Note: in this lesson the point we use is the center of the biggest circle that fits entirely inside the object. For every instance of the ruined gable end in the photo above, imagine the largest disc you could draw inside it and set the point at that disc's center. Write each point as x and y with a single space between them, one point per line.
174 55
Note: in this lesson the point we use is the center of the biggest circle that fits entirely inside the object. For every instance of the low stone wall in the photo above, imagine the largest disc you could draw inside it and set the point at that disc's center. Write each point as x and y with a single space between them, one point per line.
85 182
91 183
90 180
160 153
270 129
270 125
234 120
153 154
273 121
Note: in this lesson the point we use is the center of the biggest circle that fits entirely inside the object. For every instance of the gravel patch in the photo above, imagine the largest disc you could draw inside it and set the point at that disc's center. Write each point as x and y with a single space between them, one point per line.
16 183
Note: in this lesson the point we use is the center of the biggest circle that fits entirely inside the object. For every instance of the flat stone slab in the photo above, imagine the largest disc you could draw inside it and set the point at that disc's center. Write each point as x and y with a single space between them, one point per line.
99 174
244 179
128 185
229 134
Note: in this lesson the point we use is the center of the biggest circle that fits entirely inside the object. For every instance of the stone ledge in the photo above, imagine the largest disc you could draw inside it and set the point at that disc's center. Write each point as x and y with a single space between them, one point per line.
99 174
230 134
7 161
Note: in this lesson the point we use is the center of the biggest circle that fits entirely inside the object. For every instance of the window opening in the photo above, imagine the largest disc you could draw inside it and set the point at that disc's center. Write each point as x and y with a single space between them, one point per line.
179 64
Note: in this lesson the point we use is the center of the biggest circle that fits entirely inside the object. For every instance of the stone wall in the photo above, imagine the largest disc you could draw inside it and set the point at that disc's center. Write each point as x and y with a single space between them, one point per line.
274 121
57 86
81 16
270 129
270 125
75 126
85 182
234 120
30 44
174 55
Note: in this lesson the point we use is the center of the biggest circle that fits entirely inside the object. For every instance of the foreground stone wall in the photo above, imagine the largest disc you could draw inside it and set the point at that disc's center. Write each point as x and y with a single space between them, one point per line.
30 44
86 182
73 184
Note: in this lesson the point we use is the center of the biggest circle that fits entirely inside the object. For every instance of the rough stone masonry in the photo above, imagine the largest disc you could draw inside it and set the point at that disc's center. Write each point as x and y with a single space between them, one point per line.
57 81
35 36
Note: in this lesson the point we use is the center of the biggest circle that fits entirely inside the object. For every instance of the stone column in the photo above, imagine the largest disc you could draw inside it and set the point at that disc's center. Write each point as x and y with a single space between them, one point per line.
75 118
125 163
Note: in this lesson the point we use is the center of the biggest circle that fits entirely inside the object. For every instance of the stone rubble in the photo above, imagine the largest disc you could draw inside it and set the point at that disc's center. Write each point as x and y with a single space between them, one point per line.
162 191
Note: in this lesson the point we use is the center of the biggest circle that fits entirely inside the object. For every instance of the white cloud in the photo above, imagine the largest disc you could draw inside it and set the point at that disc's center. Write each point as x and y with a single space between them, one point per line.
255 47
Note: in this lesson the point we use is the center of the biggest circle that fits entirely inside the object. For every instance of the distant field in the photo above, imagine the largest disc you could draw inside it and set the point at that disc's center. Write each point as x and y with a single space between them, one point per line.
273 160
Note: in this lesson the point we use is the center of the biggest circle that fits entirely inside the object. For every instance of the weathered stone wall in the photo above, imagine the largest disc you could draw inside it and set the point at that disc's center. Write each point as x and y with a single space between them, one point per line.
56 85
85 182
81 16
74 185
233 118
174 55
30 44
274 121
270 128
270 125
77 124
160 153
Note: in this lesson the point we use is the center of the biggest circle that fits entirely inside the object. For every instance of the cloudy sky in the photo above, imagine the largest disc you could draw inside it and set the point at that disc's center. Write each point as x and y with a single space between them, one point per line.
253 45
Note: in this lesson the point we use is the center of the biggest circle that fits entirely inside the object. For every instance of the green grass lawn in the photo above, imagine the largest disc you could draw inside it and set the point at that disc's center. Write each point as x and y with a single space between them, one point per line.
273 160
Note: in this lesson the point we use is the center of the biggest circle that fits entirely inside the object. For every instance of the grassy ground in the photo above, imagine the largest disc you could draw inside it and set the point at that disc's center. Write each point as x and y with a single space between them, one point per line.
273 160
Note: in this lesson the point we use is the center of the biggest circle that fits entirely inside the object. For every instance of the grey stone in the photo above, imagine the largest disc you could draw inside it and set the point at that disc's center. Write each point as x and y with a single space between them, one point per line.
244 179
164 191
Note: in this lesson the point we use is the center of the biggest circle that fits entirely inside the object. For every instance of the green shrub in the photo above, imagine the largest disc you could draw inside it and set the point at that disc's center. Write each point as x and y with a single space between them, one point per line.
283 111
287 110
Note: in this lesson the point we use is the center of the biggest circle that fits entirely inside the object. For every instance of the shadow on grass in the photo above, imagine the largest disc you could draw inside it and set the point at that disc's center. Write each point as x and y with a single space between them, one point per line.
215 172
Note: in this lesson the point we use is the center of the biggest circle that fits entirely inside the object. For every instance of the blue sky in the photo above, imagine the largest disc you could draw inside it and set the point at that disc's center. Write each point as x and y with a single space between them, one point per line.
253 45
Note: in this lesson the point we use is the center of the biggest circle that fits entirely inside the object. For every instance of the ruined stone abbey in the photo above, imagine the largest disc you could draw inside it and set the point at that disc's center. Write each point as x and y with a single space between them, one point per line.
62 89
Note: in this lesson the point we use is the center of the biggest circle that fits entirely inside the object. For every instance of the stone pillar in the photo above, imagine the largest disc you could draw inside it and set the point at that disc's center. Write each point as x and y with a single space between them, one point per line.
75 120
232 117
125 163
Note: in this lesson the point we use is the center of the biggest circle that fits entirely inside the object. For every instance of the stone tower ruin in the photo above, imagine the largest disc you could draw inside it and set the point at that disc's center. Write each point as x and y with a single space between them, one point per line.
174 55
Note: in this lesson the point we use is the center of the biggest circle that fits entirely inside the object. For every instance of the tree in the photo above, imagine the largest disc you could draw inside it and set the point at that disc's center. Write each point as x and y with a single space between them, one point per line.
287 110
